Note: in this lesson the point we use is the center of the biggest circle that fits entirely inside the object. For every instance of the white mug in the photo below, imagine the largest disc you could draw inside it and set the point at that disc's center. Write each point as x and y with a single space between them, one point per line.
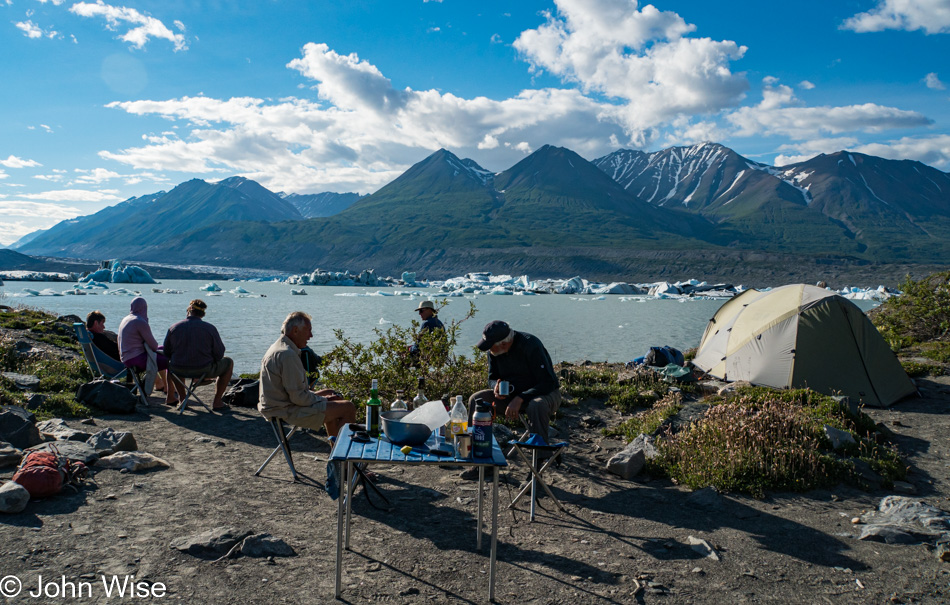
503 388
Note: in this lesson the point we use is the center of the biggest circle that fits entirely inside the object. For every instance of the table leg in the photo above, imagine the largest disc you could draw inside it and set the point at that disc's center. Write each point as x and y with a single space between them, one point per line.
534 481
478 525
349 500
339 537
494 536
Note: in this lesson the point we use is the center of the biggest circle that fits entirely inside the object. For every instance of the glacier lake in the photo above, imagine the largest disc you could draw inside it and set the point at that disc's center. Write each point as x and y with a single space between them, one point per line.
572 327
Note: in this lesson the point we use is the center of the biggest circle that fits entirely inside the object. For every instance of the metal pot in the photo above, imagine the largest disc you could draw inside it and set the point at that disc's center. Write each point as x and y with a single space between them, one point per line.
403 433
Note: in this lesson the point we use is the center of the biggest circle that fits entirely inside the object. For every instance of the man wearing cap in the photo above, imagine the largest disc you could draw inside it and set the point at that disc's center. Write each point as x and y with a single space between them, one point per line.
520 359
430 323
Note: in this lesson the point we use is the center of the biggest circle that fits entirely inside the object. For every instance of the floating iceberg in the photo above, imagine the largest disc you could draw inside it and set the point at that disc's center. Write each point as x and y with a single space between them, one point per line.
210 287
117 273
336 278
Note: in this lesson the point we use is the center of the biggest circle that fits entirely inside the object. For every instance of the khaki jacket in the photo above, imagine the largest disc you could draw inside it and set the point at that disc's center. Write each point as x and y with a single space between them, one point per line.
284 381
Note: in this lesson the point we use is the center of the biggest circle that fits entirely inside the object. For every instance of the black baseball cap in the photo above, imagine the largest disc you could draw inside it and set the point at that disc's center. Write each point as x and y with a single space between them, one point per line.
494 332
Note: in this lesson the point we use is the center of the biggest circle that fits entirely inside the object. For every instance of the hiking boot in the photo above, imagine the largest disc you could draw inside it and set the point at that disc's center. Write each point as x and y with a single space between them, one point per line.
472 473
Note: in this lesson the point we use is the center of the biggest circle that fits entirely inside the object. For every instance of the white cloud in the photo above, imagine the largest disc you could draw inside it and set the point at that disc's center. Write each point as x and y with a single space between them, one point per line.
805 150
496 39
639 57
780 113
3 174
434 29
32 30
806 85
368 134
147 27
37 209
932 16
54 178
95 176
15 162
11 231
72 195
359 131
933 150
933 82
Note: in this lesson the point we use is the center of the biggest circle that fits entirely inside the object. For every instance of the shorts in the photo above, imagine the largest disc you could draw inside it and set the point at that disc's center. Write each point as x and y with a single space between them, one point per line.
310 417
218 368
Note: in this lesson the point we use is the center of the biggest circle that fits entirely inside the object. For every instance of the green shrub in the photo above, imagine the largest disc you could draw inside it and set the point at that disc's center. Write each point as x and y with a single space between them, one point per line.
43 327
937 350
63 405
920 314
641 388
762 439
350 366
648 421
915 369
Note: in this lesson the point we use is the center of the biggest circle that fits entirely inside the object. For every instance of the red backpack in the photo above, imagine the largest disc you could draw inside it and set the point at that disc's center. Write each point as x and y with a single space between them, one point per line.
43 474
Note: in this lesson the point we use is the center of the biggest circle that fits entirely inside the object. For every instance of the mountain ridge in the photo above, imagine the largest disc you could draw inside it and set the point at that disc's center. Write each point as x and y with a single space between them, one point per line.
447 210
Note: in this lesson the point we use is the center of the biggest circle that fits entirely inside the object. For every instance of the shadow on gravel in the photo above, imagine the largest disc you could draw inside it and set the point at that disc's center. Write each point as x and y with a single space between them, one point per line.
663 503
66 502
419 514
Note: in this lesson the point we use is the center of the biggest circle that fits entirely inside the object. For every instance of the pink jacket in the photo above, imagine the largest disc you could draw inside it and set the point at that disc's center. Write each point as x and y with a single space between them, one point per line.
134 331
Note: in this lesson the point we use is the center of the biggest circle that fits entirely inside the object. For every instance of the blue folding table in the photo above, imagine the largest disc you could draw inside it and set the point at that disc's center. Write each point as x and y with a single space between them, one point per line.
347 453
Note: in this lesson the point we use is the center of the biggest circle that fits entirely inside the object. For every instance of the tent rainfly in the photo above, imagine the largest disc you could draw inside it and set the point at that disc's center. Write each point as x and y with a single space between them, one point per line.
799 336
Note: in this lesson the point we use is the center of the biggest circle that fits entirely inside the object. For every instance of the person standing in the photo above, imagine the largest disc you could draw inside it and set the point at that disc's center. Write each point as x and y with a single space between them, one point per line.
285 393
430 323
194 348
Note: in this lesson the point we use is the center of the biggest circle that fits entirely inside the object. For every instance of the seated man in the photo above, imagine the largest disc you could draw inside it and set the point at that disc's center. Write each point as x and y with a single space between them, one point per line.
107 342
284 390
520 359
194 348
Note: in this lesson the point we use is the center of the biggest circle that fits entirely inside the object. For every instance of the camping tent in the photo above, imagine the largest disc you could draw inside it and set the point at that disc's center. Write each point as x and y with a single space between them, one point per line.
802 336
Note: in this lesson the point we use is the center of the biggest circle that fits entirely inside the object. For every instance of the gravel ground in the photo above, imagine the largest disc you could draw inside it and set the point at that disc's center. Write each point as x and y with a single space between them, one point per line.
619 541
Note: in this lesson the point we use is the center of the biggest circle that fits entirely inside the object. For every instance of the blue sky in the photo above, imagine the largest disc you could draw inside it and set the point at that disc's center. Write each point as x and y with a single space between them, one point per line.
103 101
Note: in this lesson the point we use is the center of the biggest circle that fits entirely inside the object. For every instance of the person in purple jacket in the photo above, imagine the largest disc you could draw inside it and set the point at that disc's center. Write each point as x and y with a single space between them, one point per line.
134 335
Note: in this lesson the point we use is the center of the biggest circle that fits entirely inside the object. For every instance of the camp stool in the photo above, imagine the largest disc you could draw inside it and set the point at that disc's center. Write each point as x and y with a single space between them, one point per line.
524 435
104 367
196 380
534 444
283 443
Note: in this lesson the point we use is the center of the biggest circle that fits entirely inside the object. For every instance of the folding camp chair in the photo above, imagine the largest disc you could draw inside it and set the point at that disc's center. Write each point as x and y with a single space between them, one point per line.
178 377
536 444
104 367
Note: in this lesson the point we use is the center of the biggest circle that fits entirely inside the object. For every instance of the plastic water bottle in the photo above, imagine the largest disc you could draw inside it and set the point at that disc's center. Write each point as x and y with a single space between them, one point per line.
399 403
458 417
481 430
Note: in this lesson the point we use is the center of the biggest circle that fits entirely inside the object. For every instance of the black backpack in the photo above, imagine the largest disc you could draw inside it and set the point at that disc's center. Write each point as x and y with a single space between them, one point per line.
243 393
107 396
